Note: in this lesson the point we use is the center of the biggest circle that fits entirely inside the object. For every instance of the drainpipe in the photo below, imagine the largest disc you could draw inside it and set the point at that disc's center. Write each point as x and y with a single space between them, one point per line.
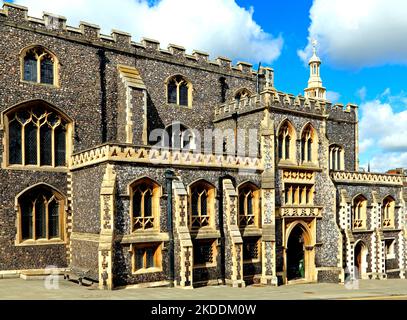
222 231
169 176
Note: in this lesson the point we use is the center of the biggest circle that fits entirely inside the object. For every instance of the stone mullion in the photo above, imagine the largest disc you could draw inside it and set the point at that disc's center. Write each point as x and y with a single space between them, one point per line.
233 238
107 213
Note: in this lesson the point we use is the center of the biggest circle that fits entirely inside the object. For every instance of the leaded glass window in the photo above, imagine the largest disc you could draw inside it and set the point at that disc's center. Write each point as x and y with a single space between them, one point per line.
40 214
37 136
39 66
179 91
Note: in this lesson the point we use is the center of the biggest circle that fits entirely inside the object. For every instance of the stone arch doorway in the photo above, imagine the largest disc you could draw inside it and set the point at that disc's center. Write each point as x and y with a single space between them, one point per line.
360 260
296 254
299 253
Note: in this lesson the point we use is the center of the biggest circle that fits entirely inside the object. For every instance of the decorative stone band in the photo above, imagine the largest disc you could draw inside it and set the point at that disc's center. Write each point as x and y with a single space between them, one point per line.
298 176
300 212
150 155
366 178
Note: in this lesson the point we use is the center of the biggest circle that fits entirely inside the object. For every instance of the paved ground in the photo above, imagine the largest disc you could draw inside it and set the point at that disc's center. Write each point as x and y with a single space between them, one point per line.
368 289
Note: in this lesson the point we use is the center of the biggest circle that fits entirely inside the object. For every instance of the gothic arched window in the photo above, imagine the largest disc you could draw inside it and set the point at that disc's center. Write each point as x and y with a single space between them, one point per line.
286 142
309 144
388 209
39 65
202 202
179 91
359 208
37 136
145 204
41 212
248 204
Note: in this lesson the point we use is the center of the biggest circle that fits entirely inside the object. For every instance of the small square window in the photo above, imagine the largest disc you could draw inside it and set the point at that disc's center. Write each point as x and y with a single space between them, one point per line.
147 258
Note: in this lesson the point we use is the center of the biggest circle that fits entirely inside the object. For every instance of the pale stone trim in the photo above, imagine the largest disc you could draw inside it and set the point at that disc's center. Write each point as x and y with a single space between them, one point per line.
149 155
82 236
366 178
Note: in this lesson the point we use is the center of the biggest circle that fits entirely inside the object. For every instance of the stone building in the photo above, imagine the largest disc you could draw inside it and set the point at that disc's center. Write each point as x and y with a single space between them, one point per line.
154 167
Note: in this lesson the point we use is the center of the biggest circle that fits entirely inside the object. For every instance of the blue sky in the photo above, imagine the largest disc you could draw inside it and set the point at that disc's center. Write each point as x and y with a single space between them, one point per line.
361 43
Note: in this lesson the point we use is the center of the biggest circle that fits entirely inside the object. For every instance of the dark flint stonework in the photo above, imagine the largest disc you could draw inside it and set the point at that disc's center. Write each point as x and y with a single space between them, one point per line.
91 92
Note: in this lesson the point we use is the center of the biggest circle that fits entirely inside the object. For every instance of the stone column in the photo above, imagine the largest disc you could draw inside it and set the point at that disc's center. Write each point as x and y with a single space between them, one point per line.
233 238
107 214
183 244
401 215
268 214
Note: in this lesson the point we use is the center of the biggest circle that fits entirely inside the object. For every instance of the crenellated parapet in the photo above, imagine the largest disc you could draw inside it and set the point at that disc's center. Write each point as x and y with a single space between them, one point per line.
161 156
285 102
88 33
366 178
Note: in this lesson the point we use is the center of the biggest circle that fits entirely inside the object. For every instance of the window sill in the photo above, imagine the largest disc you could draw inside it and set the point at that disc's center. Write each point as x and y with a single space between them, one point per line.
146 271
204 266
391 257
251 261
174 105
205 233
46 85
36 168
145 236
41 242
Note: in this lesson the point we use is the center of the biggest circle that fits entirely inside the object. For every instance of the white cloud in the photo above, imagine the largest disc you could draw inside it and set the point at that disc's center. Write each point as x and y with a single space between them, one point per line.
333 96
361 93
359 33
383 135
220 27
386 161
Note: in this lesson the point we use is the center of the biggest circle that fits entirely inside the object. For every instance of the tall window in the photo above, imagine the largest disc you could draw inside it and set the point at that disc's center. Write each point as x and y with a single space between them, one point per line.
286 142
359 212
179 136
41 212
145 204
147 258
179 91
39 66
223 89
248 205
309 144
37 136
201 204
388 212
336 158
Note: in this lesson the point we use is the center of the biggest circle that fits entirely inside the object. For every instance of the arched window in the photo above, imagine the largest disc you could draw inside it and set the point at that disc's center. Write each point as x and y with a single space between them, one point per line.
388 208
248 204
202 204
37 135
41 212
286 141
309 144
242 94
179 136
179 91
39 65
145 204
336 158
223 89
359 208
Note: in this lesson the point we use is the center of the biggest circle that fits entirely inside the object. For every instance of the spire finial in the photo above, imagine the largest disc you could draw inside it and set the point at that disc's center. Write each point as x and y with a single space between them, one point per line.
314 43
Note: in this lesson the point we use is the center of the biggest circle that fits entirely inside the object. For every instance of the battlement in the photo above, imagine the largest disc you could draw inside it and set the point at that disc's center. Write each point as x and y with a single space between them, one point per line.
366 178
280 100
87 33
